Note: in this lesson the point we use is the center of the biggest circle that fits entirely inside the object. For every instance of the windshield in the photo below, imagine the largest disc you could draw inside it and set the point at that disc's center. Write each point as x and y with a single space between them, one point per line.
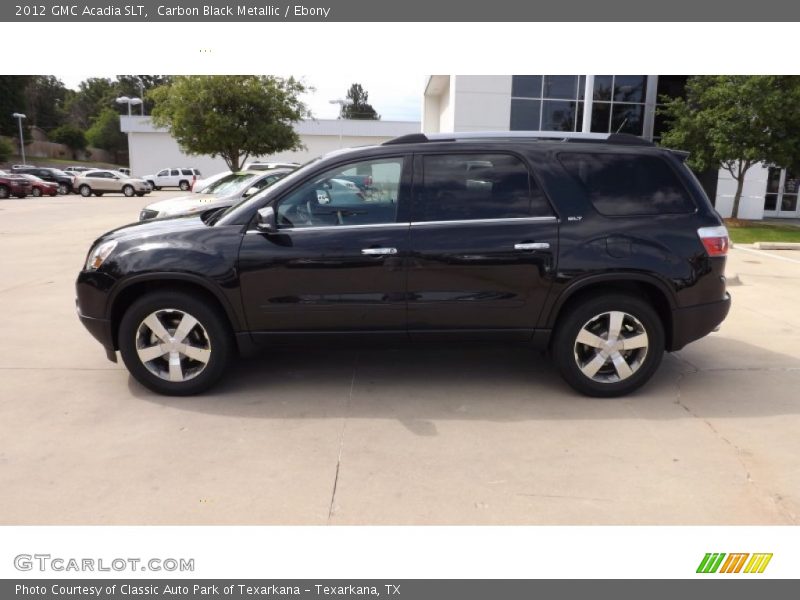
229 215
228 184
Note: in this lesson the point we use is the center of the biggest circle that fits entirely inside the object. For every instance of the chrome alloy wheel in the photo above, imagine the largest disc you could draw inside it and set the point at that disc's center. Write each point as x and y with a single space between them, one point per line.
173 345
611 347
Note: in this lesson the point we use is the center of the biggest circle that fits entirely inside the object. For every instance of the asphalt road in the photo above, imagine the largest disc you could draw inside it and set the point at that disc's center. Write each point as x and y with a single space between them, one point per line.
419 435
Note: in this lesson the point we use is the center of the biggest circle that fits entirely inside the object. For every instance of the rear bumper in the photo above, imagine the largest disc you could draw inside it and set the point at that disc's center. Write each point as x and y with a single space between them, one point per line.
693 322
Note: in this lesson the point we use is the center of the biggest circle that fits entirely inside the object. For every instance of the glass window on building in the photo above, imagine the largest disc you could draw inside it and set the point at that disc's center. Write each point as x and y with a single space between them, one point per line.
618 104
669 86
780 199
547 102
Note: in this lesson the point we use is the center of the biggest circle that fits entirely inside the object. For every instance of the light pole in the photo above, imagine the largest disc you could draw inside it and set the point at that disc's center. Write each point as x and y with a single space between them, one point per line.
130 102
19 117
342 102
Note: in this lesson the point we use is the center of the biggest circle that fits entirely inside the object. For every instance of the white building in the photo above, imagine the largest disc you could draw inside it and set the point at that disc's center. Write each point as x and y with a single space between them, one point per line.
152 149
625 103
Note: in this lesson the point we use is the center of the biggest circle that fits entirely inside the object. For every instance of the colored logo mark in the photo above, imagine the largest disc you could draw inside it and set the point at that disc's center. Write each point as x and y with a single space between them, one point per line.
717 562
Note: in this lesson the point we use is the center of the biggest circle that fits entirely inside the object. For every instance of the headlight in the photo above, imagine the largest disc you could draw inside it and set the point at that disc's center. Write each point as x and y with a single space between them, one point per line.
99 254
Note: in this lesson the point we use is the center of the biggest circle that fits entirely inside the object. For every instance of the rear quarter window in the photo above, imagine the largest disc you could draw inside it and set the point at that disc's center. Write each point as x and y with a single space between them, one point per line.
627 184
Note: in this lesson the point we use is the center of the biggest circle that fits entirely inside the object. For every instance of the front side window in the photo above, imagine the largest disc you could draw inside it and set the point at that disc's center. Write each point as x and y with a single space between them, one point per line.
361 193
163 173
466 187
627 184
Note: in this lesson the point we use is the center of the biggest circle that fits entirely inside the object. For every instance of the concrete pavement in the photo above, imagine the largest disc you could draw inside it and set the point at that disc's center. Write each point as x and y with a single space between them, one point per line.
420 435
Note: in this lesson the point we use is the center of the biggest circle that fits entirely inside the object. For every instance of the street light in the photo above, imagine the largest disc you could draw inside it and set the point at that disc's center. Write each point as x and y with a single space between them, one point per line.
19 117
342 102
130 102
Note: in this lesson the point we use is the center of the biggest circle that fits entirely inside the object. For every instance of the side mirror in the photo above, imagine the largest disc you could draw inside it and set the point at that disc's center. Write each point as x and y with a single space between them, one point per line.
266 220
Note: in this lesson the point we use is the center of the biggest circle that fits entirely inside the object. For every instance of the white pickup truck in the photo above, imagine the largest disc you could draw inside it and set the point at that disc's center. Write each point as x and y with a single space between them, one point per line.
182 178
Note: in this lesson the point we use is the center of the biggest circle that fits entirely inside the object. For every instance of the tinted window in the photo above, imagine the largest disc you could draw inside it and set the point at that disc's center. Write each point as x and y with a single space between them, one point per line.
93 174
362 193
462 187
626 184
174 172
187 171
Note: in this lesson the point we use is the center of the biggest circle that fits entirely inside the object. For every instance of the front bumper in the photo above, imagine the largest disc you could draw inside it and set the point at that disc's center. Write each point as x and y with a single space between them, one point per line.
92 290
693 322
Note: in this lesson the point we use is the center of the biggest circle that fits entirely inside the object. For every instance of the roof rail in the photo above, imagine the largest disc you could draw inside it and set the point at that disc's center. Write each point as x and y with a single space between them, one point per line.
625 139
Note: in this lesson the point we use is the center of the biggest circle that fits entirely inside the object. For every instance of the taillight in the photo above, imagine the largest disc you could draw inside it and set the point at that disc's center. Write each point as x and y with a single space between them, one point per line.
715 240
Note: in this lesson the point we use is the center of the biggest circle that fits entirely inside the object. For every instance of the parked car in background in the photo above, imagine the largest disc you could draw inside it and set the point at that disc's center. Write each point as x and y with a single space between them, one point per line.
102 181
266 166
182 178
76 170
604 250
225 192
40 187
12 184
65 181
125 171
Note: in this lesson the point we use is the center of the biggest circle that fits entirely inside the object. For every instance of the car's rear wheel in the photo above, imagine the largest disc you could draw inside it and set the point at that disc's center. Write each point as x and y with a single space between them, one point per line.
184 185
85 191
609 345
4 191
174 343
128 191
63 188
36 192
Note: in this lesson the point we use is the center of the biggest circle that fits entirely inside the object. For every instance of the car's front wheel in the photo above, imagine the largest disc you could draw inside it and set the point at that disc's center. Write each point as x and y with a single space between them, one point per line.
609 345
36 192
63 189
174 343
85 191
128 191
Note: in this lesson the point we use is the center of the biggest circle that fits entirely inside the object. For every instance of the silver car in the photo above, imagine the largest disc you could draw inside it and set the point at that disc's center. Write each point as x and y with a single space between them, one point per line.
102 181
222 193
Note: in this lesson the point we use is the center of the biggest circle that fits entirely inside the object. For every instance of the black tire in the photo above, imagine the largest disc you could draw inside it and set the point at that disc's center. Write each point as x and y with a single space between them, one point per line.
63 189
4 191
214 330
128 191
98 194
140 194
184 185
36 192
594 313
85 191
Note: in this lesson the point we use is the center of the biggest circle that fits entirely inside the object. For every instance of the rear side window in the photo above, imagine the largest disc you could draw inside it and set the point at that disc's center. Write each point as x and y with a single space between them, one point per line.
187 171
626 184
465 187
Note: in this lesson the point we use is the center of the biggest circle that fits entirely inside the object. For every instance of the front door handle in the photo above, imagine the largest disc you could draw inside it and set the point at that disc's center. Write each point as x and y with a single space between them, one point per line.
532 246
378 251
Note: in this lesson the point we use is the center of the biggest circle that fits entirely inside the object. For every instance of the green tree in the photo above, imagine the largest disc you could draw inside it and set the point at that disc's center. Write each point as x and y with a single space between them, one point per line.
93 96
12 99
232 116
735 122
6 150
44 101
105 133
134 86
359 107
72 137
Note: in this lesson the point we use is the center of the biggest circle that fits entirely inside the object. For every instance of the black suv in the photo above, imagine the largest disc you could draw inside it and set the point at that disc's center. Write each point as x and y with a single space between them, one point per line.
64 180
603 249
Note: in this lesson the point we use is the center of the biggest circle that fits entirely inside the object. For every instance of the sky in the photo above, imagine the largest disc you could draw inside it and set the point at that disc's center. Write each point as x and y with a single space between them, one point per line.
396 97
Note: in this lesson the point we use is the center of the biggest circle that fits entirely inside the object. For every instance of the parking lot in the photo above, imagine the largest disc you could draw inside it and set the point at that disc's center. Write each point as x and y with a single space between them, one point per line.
410 435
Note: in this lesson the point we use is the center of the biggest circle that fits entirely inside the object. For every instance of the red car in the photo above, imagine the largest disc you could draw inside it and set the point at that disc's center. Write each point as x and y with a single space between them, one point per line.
40 186
13 185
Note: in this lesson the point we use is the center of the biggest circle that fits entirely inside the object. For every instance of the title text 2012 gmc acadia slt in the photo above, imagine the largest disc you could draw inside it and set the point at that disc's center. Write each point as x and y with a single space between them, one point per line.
603 249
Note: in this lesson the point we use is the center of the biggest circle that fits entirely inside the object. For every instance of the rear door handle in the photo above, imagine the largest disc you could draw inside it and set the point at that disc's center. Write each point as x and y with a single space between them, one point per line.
532 246
378 251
